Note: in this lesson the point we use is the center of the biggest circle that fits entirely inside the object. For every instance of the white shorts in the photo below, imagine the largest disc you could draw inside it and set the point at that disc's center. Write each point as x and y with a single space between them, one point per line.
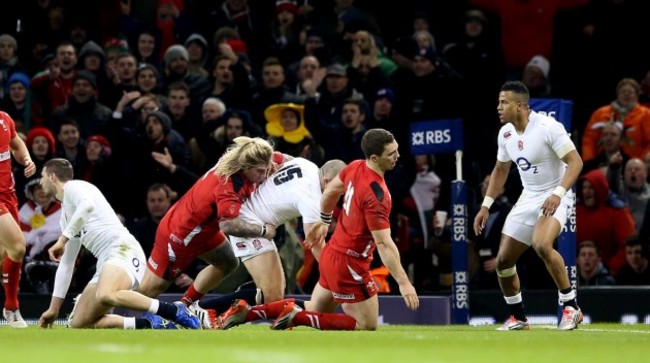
521 220
246 248
127 254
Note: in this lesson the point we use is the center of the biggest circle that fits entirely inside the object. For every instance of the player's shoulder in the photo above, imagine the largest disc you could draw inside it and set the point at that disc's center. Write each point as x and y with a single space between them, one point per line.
544 121
506 131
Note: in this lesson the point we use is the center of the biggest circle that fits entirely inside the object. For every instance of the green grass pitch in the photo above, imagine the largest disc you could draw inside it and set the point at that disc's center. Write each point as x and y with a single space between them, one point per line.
390 343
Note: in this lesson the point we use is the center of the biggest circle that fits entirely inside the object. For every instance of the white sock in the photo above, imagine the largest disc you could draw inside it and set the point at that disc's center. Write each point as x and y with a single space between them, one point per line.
511 300
155 304
129 323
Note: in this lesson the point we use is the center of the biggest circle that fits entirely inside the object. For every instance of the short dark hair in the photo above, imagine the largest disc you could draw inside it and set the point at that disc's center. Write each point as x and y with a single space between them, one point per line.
518 88
60 167
374 141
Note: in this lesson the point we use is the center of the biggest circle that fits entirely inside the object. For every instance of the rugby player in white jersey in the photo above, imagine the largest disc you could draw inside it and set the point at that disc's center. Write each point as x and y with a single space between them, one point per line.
292 191
88 220
549 166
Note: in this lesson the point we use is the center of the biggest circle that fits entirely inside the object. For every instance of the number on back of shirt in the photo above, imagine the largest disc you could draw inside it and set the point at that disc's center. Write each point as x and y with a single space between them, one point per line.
347 199
286 174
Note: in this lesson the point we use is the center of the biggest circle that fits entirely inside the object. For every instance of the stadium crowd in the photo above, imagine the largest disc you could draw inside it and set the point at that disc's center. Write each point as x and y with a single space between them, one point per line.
143 97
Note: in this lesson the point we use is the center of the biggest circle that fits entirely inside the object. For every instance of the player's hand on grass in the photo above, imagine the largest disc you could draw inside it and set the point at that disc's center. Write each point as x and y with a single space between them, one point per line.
47 318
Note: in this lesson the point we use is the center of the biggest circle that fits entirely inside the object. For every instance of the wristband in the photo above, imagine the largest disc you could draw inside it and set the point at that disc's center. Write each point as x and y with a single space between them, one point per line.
560 191
487 202
263 230
326 218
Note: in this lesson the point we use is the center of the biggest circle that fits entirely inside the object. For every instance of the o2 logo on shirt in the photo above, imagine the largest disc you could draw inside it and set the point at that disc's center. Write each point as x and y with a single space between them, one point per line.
525 165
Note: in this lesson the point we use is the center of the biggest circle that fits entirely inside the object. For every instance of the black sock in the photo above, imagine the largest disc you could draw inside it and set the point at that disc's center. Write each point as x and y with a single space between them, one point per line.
167 310
300 303
222 303
142 323
572 303
518 311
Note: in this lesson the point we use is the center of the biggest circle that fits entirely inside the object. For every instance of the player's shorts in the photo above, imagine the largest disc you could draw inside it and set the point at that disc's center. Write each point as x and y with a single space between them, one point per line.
127 254
247 248
9 204
521 220
170 256
348 278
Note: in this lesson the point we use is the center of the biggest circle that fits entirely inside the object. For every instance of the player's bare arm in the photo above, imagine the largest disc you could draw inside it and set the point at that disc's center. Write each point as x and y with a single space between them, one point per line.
497 181
390 257
331 195
21 153
240 228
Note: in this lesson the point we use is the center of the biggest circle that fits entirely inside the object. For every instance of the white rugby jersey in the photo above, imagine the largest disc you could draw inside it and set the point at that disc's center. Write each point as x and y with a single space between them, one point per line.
292 191
87 216
537 152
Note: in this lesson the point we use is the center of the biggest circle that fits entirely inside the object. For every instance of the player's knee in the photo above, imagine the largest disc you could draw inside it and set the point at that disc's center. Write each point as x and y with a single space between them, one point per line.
273 293
506 272
106 298
370 325
16 251
230 263
543 250
503 263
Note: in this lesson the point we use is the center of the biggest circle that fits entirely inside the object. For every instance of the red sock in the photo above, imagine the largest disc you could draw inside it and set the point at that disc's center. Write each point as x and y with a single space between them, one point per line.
325 321
267 311
11 281
191 295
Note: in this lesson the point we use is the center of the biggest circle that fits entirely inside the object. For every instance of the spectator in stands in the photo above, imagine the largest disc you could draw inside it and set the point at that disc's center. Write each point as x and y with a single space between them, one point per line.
609 222
123 80
53 88
197 51
285 30
41 145
83 107
273 90
180 110
147 49
9 62
177 69
342 140
147 80
201 145
39 221
325 108
632 187
100 167
285 125
18 101
305 81
366 72
591 271
93 59
231 82
636 271
415 229
70 146
626 110
612 156
535 77
527 28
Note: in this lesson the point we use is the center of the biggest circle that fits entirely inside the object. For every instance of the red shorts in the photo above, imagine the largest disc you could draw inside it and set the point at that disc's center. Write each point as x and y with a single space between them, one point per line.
170 257
9 204
348 278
